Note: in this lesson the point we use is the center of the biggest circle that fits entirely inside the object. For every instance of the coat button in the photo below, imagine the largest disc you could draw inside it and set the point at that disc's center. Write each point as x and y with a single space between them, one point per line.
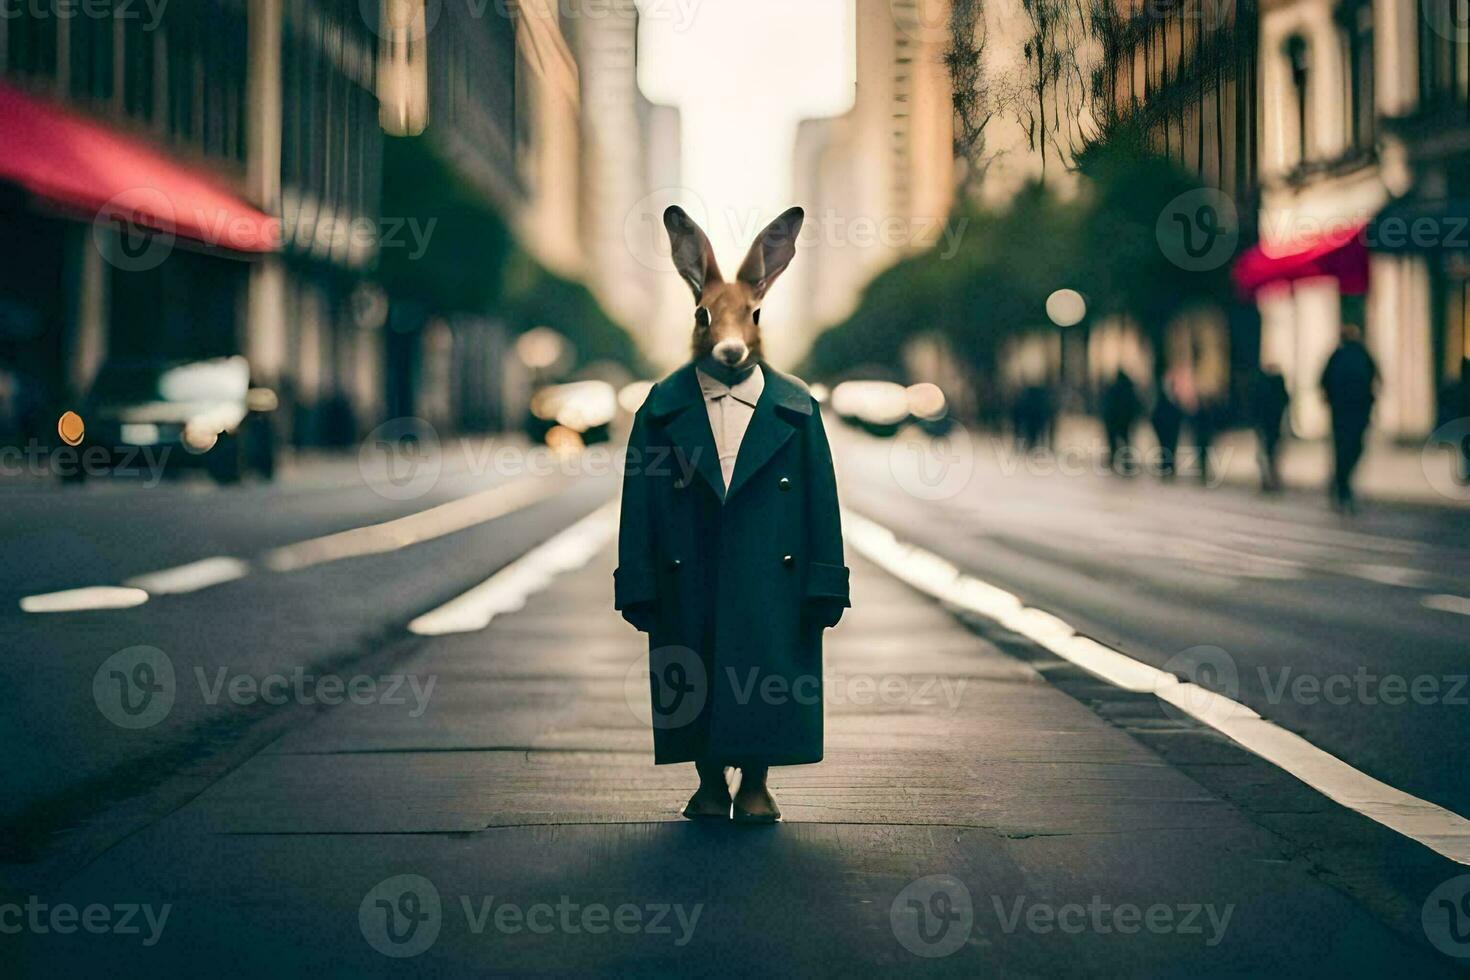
674 564
784 484
789 561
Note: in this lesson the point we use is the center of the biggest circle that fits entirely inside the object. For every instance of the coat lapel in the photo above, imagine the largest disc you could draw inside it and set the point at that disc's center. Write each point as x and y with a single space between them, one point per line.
679 405
782 404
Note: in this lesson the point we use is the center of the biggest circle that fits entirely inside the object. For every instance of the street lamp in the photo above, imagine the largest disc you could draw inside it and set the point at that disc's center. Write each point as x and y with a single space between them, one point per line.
1066 307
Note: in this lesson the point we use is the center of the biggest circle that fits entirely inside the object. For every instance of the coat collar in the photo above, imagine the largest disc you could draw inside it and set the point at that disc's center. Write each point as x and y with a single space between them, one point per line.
748 390
782 404
681 389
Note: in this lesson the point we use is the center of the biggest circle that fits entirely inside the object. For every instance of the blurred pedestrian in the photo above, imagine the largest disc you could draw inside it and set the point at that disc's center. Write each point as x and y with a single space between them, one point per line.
1454 405
1203 423
1033 416
1120 411
1350 383
1168 419
1268 401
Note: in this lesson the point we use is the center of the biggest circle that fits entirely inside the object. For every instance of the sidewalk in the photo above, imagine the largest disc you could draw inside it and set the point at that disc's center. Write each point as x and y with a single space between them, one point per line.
969 818
1389 471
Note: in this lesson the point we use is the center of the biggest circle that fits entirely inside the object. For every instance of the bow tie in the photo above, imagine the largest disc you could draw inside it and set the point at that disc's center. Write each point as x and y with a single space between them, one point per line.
724 374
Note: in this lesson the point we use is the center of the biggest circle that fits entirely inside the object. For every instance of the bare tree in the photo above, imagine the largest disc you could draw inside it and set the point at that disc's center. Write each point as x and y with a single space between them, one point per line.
1059 88
976 100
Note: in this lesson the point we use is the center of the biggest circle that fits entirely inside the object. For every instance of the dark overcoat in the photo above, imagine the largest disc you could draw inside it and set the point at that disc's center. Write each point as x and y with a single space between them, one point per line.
734 588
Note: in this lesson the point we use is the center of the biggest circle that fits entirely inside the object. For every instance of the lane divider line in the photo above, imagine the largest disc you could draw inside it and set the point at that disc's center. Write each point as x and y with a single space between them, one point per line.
508 589
372 539
83 599
192 577
1436 828
426 525
1447 603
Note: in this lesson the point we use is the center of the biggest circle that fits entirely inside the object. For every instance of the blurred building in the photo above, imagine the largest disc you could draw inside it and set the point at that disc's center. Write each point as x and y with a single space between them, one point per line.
312 322
629 166
338 189
665 337
1184 76
454 79
550 143
1365 154
878 181
128 213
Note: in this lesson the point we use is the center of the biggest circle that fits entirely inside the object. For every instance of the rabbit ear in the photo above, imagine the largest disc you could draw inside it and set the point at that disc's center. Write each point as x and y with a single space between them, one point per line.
772 252
693 256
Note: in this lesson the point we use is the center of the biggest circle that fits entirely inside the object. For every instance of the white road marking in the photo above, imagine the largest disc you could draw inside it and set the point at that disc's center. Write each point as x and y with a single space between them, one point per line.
436 522
373 539
79 600
192 577
1433 826
1386 574
1447 603
508 589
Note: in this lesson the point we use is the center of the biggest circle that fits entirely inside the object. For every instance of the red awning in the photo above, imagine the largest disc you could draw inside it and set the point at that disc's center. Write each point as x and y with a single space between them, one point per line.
77 163
1340 253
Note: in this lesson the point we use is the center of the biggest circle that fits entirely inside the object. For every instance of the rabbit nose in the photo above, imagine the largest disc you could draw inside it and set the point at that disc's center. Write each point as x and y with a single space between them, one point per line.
732 352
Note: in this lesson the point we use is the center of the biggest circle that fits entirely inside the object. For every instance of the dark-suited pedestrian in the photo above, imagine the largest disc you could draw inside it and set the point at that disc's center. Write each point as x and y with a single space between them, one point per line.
1120 411
1033 418
1268 401
1167 418
730 549
1350 384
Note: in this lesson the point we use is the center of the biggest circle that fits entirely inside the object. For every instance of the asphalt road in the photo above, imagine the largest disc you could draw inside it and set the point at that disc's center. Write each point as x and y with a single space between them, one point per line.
1316 621
68 760
525 774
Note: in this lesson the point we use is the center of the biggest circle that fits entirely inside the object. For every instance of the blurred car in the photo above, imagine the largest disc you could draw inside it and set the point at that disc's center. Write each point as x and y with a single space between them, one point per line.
883 408
878 407
572 415
204 412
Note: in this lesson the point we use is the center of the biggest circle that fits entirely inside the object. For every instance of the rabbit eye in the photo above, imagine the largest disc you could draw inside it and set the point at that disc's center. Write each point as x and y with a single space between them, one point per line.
756 316
701 316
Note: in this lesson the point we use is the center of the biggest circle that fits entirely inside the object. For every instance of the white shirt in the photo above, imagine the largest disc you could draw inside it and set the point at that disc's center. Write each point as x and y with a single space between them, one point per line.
730 410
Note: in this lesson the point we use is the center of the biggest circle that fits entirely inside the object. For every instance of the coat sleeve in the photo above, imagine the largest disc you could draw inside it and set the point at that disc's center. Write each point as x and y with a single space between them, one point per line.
635 585
826 574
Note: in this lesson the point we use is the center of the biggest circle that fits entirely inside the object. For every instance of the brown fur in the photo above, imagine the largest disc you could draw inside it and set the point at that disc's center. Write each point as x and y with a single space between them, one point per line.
733 306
